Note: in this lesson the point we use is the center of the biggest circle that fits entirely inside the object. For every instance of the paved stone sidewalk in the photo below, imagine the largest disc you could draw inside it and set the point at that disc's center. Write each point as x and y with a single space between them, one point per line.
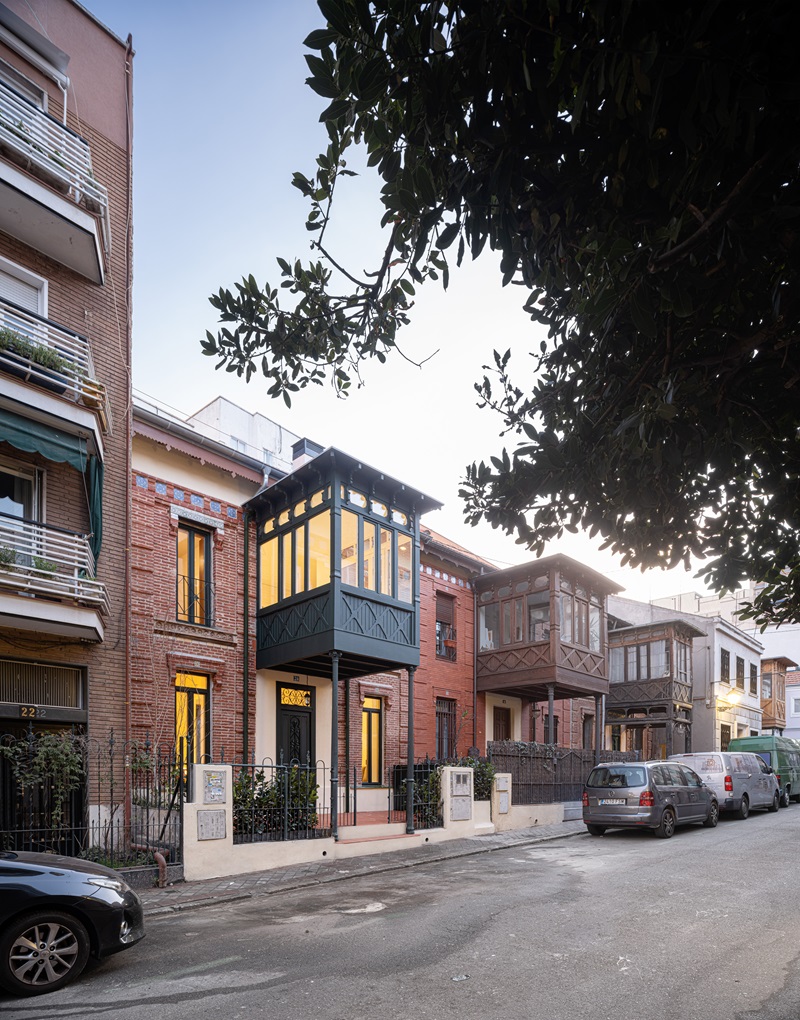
209 892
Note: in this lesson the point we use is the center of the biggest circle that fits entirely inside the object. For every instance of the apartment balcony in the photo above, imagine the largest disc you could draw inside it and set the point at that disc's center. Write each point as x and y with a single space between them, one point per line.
49 198
662 692
41 352
47 581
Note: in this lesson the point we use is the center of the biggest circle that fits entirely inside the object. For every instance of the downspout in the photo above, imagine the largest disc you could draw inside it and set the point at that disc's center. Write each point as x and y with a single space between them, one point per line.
475 637
129 357
246 639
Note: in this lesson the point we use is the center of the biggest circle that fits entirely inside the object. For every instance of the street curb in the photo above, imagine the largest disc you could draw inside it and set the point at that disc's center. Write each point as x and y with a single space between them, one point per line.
162 910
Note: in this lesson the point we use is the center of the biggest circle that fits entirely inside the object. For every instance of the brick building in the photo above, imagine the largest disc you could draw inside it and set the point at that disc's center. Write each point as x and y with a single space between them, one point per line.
65 355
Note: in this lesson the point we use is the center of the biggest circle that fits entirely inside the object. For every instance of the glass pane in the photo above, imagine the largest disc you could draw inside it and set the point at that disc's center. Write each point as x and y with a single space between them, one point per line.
316 499
284 517
404 560
300 559
616 666
183 574
349 548
594 628
199 727
381 509
506 631
659 658
538 618
268 573
358 498
370 574
581 632
199 580
489 617
319 550
197 681
566 617
518 632
399 517
286 554
387 565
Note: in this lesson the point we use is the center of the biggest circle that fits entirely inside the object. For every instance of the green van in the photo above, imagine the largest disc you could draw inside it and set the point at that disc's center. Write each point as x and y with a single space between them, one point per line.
783 757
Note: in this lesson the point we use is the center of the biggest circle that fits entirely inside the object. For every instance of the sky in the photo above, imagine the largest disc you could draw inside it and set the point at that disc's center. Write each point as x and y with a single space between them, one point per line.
222 119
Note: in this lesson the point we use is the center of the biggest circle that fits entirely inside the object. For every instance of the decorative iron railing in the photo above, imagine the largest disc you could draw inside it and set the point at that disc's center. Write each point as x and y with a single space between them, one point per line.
195 600
445 641
113 802
52 152
545 774
39 559
42 352
280 802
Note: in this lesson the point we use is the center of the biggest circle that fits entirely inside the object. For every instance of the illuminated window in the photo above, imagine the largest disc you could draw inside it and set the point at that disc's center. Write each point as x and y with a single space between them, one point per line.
386 562
194 576
268 573
192 719
404 561
371 739
349 548
319 550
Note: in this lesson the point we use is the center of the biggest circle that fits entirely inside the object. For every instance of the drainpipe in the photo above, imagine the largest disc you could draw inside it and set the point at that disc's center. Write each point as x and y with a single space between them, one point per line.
410 754
246 639
335 656
475 670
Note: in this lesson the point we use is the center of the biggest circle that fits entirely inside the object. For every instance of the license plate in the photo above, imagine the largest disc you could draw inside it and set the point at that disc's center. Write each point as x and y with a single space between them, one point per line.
612 800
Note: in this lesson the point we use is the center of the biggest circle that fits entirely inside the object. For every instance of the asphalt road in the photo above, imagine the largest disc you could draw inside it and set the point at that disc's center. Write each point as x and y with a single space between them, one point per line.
704 926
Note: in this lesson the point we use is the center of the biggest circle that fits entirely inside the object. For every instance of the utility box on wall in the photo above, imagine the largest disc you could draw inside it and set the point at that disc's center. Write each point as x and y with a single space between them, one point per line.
461 795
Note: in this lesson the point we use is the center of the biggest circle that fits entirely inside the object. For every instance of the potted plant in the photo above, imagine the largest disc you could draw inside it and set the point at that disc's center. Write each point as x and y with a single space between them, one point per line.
8 558
18 353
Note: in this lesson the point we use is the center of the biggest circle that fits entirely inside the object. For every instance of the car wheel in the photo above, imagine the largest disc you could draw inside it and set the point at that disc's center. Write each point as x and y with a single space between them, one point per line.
744 807
42 951
596 830
776 802
713 815
667 825
785 799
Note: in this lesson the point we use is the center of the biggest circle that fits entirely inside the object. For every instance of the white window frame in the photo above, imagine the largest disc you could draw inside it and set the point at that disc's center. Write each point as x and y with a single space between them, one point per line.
31 279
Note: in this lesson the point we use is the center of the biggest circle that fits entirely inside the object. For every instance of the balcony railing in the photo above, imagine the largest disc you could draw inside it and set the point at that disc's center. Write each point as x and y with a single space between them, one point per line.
445 641
658 691
51 151
38 559
195 600
41 352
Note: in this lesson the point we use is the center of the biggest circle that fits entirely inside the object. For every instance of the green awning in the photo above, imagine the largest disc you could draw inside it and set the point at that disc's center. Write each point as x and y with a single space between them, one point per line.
35 437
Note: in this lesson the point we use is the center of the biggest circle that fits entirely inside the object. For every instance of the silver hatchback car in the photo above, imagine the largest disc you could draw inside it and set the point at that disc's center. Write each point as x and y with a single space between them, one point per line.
655 795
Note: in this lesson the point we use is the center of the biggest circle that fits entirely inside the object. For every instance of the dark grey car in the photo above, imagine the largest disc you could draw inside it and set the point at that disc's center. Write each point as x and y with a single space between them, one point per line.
655 795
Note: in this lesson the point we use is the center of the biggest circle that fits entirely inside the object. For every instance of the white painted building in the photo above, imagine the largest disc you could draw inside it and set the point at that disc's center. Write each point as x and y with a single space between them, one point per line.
726 667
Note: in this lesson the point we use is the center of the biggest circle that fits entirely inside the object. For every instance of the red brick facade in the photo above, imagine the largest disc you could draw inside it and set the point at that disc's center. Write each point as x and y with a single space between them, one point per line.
99 111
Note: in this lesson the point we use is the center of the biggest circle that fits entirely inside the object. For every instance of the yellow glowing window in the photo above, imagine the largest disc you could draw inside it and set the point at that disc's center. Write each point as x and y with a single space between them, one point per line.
386 561
268 575
192 734
404 560
370 543
300 559
286 554
284 518
316 499
371 740
349 548
319 550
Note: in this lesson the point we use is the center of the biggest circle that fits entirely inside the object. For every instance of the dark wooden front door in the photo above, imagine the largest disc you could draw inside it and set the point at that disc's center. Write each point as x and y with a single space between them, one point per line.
295 724
501 723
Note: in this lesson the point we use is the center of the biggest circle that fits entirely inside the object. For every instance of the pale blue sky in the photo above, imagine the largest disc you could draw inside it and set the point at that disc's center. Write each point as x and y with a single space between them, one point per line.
222 118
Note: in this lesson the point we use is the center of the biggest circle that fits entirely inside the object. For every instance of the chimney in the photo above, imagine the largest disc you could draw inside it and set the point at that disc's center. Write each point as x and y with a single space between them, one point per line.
303 451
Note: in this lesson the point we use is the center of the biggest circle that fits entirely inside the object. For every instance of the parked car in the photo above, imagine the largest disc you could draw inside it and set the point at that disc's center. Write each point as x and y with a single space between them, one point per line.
740 779
782 755
656 795
54 913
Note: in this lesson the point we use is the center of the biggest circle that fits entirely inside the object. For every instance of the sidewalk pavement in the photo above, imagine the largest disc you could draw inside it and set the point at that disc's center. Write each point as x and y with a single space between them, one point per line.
213 891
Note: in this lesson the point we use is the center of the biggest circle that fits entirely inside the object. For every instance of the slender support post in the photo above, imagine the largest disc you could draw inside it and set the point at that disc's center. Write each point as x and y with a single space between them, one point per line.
599 728
551 723
335 656
347 744
410 752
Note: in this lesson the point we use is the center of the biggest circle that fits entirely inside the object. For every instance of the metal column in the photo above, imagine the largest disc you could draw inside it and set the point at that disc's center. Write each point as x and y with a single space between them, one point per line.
335 656
410 754
551 723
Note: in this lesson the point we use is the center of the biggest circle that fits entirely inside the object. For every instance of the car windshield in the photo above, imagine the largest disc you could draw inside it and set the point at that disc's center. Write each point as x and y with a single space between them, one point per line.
617 776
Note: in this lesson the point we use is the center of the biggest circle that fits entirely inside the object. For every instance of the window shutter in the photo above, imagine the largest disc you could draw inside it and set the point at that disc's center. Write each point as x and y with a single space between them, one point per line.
445 609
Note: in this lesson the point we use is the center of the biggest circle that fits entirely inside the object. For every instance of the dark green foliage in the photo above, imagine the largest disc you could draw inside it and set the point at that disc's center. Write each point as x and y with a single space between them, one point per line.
286 802
635 165
483 772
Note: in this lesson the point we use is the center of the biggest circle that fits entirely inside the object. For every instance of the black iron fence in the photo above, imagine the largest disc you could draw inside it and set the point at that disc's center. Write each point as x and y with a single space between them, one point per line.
118 803
280 802
545 774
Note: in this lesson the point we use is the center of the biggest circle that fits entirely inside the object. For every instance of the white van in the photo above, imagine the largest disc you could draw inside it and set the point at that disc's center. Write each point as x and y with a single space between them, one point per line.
740 779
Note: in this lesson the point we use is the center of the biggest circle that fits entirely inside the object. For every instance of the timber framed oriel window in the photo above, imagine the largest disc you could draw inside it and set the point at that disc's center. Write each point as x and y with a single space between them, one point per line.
194 576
